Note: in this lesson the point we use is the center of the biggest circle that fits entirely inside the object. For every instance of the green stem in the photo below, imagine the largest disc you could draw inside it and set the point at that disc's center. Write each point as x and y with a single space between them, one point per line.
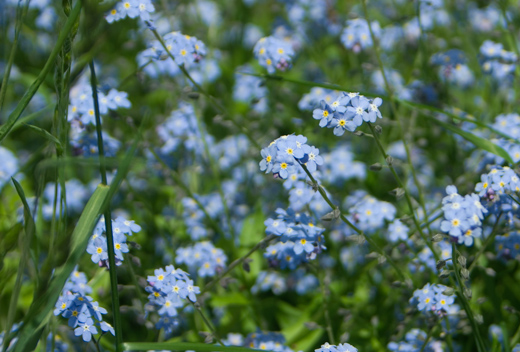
237 262
17 112
108 218
448 334
322 192
401 130
406 193
20 13
428 337
218 107
474 326
178 180
488 241
208 324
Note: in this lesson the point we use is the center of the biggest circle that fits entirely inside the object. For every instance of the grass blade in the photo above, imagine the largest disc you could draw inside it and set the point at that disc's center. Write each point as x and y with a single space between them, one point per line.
25 244
41 308
45 134
183 346
477 141
13 117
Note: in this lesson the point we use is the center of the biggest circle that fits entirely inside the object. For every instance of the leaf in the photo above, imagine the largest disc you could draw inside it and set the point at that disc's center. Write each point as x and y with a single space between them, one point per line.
183 346
25 244
45 134
17 112
41 308
477 141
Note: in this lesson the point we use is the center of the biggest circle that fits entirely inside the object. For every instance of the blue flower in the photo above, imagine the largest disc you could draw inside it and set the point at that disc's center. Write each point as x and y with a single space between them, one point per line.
324 114
86 329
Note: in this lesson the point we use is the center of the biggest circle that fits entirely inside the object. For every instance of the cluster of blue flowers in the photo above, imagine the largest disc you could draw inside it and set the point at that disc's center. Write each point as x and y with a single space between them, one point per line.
462 216
453 68
356 35
414 341
300 239
287 153
97 247
495 189
202 258
339 166
132 9
311 100
347 112
508 245
498 62
269 341
84 315
168 290
432 299
274 54
368 213
342 347
81 107
186 50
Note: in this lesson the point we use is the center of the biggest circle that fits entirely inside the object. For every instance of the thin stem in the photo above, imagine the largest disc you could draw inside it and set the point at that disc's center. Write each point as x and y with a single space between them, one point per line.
406 194
428 337
488 241
218 107
108 218
351 225
178 180
401 130
237 262
208 324
478 339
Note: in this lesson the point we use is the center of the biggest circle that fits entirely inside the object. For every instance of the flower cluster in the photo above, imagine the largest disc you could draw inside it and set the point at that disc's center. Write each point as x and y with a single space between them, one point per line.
462 216
81 107
84 315
132 9
453 68
186 50
508 245
311 100
499 63
202 258
356 35
97 247
368 213
342 347
274 54
414 341
431 298
269 341
287 153
300 239
168 288
347 112
495 189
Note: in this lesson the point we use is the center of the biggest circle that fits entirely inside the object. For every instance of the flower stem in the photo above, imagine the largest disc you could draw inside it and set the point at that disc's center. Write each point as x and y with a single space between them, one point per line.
108 219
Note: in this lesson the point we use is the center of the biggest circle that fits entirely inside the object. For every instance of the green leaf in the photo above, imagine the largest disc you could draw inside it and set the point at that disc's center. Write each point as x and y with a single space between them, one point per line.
41 308
476 140
25 244
183 346
45 134
17 112
309 341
